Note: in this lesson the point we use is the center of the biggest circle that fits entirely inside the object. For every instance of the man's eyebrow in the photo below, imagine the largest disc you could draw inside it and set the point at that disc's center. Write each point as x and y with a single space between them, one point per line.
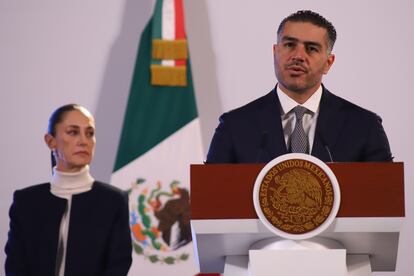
312 43
289 38
308 43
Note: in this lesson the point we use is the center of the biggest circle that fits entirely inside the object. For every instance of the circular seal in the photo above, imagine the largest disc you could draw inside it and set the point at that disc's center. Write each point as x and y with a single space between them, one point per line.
296 196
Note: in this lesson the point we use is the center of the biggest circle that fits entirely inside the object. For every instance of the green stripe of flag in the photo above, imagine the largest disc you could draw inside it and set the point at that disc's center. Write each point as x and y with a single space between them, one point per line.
153 112
157 20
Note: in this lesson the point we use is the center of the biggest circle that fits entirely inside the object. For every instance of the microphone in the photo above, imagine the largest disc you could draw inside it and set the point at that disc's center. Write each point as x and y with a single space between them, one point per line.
325 145
329 152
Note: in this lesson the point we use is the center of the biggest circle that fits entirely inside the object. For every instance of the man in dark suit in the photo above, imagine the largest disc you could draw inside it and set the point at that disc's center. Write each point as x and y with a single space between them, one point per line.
329 127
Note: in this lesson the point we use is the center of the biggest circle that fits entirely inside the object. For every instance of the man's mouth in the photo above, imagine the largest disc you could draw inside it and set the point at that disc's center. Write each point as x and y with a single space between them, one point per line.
296 68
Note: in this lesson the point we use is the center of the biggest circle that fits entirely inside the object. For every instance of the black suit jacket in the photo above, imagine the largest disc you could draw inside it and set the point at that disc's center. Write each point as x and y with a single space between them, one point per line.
253 133
99 239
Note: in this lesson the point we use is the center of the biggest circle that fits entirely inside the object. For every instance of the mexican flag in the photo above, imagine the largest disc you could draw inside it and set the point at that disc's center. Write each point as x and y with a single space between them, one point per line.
160 139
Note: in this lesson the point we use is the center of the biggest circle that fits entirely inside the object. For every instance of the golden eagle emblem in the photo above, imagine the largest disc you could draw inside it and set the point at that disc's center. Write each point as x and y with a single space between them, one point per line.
296 196
299 187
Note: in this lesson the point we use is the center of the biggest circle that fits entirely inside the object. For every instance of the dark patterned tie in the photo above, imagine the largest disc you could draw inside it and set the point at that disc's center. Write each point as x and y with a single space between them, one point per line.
298 139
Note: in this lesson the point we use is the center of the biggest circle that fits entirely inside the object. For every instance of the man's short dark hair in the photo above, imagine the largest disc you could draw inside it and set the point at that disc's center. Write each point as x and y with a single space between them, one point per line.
314 18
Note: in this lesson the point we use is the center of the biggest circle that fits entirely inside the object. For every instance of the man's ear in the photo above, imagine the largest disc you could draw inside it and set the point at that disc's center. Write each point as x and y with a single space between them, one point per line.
329 62
50 141
274 48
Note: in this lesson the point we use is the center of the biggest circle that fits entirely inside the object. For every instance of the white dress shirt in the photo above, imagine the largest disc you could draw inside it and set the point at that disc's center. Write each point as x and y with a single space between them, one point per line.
309 118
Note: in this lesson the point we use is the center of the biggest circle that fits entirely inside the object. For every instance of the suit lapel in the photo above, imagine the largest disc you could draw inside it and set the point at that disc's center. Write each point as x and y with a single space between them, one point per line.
270 125
329 124
50 224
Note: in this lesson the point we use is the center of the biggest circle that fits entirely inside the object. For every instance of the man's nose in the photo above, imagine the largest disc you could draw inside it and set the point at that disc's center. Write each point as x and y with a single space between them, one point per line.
299 53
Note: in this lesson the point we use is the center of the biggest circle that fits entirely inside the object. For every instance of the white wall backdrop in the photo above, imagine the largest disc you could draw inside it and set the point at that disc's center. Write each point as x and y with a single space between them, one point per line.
56 52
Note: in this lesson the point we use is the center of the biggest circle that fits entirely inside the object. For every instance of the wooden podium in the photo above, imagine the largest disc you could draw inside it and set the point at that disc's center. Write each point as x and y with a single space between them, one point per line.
224 221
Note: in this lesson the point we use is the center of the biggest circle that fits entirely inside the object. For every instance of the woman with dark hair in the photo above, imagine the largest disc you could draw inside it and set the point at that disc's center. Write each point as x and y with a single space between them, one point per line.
73 225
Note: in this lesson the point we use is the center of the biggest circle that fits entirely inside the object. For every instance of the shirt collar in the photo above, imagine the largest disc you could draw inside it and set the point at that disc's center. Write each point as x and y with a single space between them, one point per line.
287 103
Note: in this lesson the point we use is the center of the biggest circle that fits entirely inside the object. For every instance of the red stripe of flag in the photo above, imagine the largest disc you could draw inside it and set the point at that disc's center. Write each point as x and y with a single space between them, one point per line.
179 26
179 20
